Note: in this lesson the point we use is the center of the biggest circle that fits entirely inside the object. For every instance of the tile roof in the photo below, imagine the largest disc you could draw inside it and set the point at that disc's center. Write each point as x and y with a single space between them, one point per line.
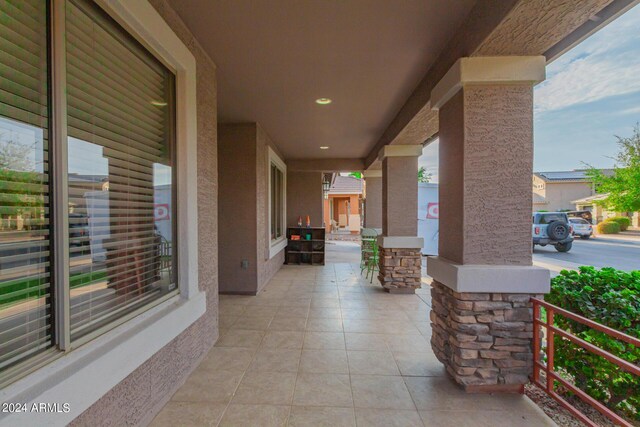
346 185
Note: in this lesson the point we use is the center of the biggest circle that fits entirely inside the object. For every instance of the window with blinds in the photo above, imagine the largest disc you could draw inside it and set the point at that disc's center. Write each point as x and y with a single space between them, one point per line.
25 276
120 171
276 202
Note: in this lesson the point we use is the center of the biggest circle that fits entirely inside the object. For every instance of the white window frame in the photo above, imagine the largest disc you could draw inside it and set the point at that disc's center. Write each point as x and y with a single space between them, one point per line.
82 376
277 245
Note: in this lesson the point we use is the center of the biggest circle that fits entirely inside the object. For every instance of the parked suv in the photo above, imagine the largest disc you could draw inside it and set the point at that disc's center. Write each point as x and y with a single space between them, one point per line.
552 228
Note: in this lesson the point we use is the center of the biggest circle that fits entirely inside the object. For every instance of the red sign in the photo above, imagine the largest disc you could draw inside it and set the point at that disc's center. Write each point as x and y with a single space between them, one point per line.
433 211
161 212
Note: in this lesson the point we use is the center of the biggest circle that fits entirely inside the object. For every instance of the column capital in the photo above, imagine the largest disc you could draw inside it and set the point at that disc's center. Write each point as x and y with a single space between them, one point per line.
372 174
486 70
399 151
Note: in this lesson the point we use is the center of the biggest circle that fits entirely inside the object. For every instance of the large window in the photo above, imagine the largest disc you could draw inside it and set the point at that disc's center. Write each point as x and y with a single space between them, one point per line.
105 176
277 198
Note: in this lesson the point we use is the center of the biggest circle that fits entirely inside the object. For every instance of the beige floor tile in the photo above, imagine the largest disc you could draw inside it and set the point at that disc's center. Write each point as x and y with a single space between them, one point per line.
228 359
293 312
215 386
324 340
275 360
442 393
260 311
372 363
256 323
353 304
324 362
255 416
288 324
435 418
358 341
418 364
388 418
308 416
240 338
325 302
189 414
408 343
325 313
324 325
231 310
283 340
272 388
380 392
323 390
225 321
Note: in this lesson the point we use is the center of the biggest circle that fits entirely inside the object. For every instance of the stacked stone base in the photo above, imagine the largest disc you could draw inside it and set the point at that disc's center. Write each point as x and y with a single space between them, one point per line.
483 339
400 270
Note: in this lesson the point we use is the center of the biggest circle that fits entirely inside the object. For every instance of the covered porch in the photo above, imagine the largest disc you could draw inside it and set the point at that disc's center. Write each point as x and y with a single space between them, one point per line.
320 345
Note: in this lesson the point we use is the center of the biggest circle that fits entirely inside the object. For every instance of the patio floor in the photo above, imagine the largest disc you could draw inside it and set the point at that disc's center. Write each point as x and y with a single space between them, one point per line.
320 346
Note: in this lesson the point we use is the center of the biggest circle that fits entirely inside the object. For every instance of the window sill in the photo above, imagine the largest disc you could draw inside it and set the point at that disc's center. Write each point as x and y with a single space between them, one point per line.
84 375
277 246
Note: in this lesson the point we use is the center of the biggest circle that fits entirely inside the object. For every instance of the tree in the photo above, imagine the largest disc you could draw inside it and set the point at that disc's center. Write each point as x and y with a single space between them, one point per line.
356 175
623 187
423 175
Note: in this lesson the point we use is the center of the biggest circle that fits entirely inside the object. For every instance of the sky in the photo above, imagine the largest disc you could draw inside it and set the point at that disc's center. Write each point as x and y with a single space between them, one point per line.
590 95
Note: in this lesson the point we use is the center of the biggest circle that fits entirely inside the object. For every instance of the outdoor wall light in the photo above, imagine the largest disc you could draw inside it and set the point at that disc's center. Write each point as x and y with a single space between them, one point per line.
326 185
323 101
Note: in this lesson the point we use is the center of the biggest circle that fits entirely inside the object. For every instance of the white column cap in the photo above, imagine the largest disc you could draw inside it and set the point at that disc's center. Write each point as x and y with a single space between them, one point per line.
400 151
488 70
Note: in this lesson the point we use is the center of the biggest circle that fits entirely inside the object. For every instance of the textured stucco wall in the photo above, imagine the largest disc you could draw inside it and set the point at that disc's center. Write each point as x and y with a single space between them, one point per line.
450 190
304 197
486 158
400 196
373 203
237 207
137 399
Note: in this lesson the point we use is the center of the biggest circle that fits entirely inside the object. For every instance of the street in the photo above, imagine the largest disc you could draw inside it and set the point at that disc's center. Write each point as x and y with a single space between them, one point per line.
618 251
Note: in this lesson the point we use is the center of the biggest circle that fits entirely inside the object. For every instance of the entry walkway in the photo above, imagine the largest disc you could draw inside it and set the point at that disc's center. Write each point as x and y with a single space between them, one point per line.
320 346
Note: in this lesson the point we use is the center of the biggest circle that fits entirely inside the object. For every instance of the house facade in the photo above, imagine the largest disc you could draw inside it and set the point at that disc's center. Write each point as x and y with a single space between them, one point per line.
343 205
555 191
213 123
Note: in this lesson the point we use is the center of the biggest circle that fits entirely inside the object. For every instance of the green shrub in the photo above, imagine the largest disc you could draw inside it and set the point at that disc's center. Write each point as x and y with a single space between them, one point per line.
623 221
608 227
610 297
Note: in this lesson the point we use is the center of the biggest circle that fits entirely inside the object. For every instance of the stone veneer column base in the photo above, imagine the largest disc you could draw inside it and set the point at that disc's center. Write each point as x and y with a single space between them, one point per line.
400 270
483 339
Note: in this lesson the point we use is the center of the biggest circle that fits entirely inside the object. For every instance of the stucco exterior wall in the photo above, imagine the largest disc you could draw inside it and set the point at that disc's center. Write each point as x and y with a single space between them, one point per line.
400 196
373 203
304 197
243 209
559 195
138 398
237 207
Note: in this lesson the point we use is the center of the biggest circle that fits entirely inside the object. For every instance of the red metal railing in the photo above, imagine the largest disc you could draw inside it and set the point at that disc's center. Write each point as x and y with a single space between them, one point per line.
548 385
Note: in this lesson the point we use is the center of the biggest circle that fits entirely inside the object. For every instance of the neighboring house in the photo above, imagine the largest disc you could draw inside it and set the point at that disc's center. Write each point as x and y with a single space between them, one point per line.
600 213
554 191
342 208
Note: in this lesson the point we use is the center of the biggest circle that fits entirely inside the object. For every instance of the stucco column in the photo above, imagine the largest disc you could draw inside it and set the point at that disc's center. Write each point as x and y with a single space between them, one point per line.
483 278
373 201
400 248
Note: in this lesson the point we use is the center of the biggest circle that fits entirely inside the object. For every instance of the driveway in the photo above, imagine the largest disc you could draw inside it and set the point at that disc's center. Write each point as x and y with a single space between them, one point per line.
619 251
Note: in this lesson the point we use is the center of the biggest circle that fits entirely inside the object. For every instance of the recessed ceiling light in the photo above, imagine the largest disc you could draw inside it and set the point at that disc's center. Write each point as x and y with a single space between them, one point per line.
159 103
323 101
324 147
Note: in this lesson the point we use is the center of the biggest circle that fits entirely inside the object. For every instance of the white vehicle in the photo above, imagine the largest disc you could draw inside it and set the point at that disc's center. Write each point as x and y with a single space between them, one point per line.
581 227
552 228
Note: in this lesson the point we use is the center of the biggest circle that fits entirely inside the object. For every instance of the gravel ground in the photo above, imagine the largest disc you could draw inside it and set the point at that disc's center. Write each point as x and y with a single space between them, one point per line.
561 416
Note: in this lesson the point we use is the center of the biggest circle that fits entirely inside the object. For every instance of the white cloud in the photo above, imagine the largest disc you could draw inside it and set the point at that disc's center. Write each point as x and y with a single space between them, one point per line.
605 65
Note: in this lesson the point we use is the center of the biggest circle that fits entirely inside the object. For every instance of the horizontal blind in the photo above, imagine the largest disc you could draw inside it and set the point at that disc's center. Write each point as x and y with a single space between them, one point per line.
120 124
25 287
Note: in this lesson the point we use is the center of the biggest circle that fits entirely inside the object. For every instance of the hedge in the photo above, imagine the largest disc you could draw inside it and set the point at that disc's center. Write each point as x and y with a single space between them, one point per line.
623 221
608 227
610 297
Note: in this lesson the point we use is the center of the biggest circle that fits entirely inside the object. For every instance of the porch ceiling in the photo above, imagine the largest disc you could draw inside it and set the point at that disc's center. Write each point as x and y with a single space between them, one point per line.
275 59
